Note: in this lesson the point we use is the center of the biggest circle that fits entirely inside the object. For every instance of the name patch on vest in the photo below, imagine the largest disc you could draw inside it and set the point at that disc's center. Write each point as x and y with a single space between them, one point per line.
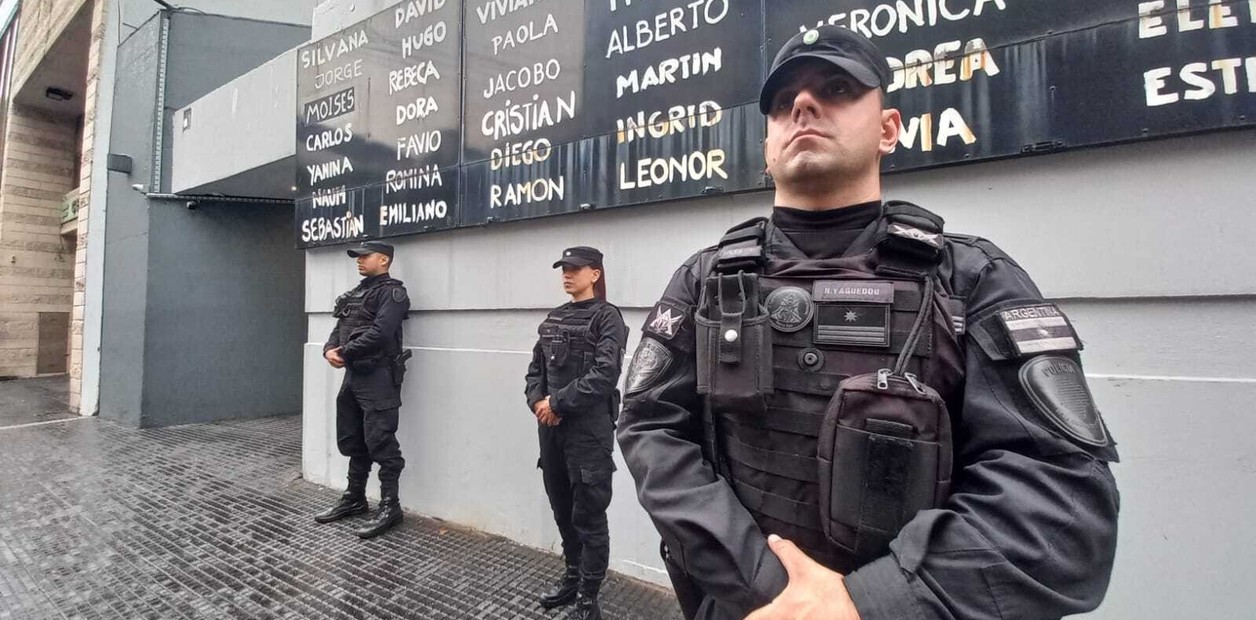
858 291
1038 329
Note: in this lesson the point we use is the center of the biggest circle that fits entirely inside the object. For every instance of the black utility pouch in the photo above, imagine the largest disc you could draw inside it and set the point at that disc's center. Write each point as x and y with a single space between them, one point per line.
884 454
734 343
556 345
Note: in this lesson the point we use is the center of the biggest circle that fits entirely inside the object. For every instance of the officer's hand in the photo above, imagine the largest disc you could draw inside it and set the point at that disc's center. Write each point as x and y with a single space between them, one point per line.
814 592
333 358
545 414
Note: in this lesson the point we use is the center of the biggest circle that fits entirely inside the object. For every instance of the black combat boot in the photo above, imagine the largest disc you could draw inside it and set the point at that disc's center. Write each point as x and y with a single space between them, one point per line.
353 502
389 514
564 590
586 608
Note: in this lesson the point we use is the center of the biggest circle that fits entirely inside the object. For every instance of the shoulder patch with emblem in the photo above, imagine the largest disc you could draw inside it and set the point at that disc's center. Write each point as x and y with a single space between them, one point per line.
789 308
1037 328
1056 386
398 294
649 364
665 321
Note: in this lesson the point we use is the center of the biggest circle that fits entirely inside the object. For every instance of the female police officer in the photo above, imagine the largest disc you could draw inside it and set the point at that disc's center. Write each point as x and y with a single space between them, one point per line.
571 388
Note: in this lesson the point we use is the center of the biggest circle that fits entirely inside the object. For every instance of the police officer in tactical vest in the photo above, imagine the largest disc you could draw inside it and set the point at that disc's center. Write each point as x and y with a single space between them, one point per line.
571 389
842 412
366 342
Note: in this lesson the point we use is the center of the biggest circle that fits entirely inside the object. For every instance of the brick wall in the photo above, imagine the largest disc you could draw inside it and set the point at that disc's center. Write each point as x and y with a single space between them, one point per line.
42 22
36 263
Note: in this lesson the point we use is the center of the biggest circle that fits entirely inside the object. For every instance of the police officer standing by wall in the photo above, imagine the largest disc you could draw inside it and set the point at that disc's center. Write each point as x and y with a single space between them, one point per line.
571 389
840 412
366 342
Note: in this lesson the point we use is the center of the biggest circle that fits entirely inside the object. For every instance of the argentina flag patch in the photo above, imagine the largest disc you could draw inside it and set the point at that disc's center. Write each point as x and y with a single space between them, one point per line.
1037 328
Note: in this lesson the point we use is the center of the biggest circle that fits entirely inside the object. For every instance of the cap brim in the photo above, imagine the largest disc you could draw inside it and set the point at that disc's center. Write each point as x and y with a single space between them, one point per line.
574 261
857 70
356 252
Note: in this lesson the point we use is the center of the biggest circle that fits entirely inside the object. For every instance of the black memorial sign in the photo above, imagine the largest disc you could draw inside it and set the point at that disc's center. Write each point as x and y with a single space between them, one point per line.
577 104
417 115
331 142
525 108
977 79
379 126
666 85
1166 68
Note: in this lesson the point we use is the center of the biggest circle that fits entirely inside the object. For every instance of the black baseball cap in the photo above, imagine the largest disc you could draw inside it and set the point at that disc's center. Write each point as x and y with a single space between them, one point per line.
370 247
848 50
579 256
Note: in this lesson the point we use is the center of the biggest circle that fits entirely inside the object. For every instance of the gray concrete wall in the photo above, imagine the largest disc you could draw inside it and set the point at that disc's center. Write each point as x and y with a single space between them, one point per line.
255 112
1143 244
136 12
203 307
332 15
241 137
224 329
208 52
124 277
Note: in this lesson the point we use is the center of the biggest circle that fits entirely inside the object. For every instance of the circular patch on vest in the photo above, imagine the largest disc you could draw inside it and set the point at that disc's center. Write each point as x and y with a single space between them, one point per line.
789 308
1057 387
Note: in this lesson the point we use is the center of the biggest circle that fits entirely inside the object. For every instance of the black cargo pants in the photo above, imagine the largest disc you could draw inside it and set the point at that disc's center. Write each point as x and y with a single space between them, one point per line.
366 426
576 465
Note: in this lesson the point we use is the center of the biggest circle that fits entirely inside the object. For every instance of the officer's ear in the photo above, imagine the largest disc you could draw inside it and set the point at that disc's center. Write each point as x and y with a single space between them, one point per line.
597 274
891 126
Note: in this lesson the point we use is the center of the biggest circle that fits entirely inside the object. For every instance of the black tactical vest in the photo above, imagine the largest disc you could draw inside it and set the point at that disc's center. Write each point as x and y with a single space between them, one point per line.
818 322
355 316
569 343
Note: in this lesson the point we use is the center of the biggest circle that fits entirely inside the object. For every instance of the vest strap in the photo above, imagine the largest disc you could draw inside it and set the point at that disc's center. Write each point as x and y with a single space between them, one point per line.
777 463
909 241
741 248
780 508
732 312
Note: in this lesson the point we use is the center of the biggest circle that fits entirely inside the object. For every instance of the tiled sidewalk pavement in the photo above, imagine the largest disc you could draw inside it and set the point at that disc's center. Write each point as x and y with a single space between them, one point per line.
213 521
30 401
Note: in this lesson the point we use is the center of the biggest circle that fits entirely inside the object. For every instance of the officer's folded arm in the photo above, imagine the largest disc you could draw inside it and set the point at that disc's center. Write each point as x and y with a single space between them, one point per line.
1030 528
535 387
706 528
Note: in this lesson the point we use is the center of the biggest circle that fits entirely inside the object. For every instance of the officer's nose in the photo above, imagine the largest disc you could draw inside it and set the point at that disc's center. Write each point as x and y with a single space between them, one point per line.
805 103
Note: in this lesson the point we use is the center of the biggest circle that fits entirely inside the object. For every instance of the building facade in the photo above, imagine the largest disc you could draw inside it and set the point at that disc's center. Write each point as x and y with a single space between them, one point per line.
49 118
1141 241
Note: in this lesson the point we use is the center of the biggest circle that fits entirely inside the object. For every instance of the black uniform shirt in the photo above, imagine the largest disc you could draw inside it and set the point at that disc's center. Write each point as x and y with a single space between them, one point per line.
825 234
389 302
1029 530
598 382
